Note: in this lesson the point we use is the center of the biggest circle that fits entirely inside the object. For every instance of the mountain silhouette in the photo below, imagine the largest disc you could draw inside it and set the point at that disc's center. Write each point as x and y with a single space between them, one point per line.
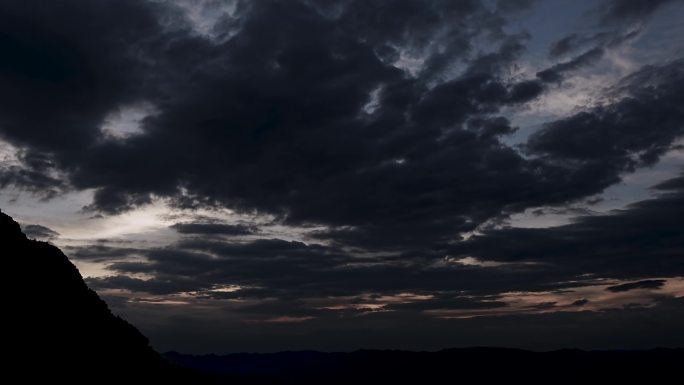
458 366
58 328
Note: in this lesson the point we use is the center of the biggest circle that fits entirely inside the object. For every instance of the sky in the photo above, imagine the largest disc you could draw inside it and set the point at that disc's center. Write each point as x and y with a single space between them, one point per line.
264 175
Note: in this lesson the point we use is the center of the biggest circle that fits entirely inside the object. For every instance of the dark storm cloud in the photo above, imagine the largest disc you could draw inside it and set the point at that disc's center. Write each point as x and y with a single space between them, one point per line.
536 260
564 45
33 171
525 91
38 231
101 253
273 119
631 10
600 41
212 229
152 286
492 126
645 284
273 268
619 20
642 240
72 72
556 72
676 184
273 264
39 182
631 132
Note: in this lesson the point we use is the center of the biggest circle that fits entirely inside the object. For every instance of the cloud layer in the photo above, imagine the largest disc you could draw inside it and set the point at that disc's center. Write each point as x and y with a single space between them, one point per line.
379 129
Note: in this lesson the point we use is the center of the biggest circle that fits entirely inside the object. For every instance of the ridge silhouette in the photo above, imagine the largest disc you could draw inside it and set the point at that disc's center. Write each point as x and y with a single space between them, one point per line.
58 328
476 365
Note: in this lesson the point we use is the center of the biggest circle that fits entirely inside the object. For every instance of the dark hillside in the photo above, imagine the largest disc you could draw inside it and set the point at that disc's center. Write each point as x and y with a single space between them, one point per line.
56 327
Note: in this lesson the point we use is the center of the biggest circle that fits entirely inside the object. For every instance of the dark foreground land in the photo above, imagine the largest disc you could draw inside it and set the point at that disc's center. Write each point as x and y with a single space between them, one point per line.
57 329
456 366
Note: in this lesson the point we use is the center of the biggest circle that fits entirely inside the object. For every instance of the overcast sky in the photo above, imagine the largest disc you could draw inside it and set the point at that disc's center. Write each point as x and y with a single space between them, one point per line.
335 175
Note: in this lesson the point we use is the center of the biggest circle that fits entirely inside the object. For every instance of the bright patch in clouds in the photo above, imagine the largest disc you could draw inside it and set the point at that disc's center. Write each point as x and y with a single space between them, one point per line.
127 121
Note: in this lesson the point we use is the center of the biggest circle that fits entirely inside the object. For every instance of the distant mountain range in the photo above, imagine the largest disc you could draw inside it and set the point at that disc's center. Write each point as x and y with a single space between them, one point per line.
453 366
57 328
